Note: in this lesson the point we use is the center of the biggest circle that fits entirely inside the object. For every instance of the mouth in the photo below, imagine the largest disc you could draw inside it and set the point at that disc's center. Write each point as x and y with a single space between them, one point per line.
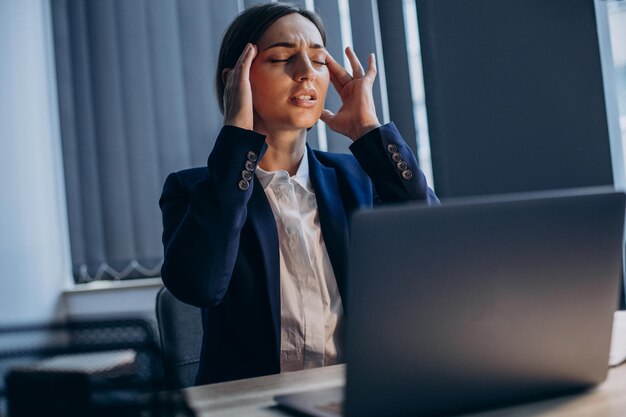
305 98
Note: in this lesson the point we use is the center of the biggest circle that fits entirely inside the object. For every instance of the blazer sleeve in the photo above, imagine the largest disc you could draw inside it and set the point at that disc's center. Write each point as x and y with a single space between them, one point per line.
391 166
202 222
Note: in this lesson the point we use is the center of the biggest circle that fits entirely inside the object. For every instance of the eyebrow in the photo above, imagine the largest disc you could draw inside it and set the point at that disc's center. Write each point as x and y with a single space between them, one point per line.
293 45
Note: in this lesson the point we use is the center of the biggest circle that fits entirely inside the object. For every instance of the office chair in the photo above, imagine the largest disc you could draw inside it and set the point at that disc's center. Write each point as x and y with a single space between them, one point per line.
180 334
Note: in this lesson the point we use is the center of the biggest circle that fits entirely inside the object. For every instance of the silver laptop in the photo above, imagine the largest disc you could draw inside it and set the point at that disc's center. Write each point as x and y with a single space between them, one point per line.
477 304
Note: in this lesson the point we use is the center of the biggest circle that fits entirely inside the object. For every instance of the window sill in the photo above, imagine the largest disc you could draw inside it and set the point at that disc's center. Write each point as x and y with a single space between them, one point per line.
113 299
114 285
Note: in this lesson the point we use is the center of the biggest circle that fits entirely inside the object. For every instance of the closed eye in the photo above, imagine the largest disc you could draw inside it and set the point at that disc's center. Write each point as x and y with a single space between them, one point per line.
288 59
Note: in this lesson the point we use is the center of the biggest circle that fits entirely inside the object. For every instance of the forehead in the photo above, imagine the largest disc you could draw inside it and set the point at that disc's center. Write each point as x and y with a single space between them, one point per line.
293 28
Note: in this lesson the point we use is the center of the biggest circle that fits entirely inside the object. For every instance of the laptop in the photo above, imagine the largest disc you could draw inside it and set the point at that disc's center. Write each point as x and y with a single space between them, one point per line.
477 304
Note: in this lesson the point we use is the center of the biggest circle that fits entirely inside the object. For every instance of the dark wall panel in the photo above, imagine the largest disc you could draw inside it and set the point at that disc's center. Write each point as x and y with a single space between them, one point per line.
514 95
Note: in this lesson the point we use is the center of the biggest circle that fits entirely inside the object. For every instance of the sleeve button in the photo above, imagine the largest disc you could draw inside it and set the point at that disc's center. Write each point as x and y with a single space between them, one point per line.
402 165
252 156
246 175
407 174
250 166
391 148
244 185
396 157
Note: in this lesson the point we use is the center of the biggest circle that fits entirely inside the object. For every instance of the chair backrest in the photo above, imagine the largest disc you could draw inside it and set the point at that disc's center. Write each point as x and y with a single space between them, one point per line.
180 334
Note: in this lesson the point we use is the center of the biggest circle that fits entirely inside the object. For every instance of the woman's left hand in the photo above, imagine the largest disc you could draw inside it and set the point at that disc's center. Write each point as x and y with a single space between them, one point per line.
357 115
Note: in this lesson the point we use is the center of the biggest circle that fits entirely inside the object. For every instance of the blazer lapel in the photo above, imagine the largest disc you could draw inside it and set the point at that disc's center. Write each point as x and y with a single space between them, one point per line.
262 221
332 216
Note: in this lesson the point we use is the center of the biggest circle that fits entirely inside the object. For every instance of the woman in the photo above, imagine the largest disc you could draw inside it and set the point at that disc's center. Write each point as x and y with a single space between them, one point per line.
258 238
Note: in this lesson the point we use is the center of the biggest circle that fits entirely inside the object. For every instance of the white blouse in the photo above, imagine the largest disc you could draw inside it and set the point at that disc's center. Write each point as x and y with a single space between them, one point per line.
310 305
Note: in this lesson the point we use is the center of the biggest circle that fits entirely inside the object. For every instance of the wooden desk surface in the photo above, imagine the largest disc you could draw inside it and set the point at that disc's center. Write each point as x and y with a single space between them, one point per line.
254 397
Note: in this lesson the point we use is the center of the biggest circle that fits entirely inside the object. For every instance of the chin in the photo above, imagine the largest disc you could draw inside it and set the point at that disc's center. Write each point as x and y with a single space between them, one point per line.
310 121
302 122
292 120
308 125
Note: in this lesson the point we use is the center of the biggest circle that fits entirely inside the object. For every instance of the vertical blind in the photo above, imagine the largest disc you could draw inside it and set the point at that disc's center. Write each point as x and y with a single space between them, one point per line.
136 98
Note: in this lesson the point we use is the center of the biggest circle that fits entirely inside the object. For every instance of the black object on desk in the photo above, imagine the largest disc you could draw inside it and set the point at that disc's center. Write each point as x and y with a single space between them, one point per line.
87 368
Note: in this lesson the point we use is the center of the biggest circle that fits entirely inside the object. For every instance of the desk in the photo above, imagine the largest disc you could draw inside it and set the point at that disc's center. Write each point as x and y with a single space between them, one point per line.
254 397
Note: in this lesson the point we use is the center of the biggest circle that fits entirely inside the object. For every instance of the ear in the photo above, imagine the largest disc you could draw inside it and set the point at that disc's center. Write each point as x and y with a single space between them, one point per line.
225 72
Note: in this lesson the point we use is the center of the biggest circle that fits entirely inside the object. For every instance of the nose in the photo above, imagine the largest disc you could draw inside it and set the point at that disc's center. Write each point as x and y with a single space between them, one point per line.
303 70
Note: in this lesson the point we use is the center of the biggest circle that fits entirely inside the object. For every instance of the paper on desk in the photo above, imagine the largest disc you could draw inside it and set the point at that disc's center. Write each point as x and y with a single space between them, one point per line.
110 363
618 340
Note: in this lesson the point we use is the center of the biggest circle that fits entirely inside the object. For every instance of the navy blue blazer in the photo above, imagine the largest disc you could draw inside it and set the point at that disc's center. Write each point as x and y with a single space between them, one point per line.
221 242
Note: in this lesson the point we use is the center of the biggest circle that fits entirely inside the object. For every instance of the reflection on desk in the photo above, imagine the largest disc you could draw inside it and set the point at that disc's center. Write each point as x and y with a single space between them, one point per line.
254 397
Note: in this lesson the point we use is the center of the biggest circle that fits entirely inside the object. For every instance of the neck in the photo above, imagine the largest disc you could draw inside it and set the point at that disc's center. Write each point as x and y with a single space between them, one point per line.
284 152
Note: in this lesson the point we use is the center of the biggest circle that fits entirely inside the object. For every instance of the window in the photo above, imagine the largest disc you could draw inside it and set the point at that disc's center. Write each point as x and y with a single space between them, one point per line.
617 27
136 102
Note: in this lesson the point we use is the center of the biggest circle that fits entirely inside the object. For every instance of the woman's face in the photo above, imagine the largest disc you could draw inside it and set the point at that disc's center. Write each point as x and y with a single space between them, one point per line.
289 76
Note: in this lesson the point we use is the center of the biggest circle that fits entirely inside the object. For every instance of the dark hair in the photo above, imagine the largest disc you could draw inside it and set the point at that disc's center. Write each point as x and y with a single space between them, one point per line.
249 26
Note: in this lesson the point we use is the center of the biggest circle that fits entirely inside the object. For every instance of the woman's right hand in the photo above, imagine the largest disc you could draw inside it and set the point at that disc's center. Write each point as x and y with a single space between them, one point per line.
237 92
